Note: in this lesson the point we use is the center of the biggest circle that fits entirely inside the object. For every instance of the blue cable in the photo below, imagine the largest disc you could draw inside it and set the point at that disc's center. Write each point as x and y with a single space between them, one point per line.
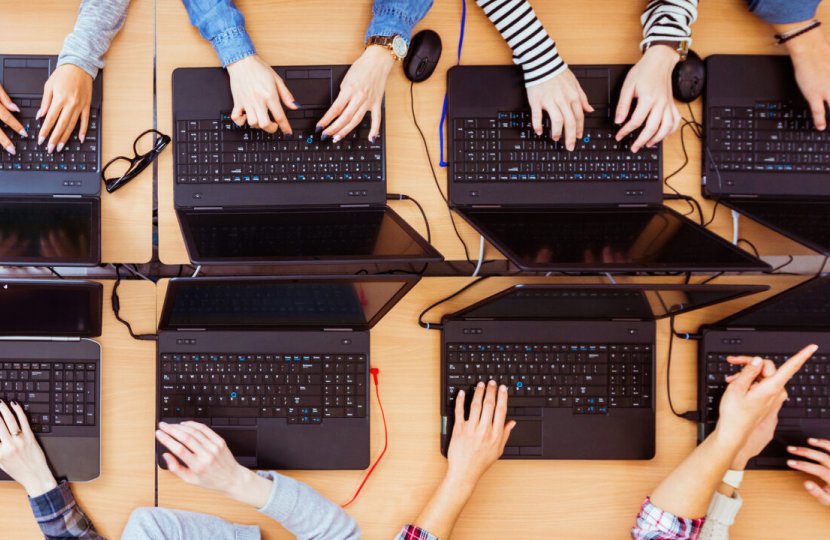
441 161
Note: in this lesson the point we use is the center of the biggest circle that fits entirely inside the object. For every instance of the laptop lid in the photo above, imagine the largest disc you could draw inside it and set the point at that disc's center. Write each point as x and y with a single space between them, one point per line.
478 114
804 221
281 303
604 240
50 231
803 307
322 235
50 308
601 302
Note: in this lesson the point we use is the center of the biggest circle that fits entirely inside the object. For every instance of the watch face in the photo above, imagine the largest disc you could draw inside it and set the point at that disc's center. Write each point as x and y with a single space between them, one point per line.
399 47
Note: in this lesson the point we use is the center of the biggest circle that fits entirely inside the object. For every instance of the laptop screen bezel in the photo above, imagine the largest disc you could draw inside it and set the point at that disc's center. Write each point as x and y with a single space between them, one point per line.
430 253
737 291
95 292
408 282
744 207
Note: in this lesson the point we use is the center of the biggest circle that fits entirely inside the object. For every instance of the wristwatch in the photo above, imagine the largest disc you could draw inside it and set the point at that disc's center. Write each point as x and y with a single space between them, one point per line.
733 478
396 44
682 47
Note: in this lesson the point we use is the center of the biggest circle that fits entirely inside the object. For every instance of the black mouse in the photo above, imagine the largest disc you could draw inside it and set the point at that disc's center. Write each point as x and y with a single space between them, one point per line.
423 56
688 78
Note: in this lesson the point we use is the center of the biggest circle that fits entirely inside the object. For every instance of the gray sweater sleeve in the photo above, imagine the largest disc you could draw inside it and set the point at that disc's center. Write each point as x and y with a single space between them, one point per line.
97 24
305 513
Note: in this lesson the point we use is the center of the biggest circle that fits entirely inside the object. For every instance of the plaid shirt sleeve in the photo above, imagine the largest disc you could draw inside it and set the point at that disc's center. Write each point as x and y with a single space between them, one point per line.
655 524
411 532
59 516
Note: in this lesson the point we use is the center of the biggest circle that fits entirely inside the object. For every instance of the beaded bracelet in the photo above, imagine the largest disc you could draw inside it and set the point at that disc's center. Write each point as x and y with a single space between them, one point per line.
783 38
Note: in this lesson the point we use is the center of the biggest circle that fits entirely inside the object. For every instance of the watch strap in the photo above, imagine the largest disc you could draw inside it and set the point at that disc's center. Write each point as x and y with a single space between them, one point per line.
679 46
384 41
733 478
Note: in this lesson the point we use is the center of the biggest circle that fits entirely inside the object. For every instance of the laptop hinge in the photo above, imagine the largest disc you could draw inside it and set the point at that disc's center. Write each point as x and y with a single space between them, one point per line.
486 206
40 338
354 206
66 196
190 329
338 330
632 205
208 208
623 319
728 329
742 196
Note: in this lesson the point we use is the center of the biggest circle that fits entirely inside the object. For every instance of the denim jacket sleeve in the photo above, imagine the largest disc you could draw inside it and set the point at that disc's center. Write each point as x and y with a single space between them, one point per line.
784 11
397 17
221 23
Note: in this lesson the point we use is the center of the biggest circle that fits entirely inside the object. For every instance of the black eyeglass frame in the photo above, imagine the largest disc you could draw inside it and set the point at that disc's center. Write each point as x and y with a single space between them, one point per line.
137 163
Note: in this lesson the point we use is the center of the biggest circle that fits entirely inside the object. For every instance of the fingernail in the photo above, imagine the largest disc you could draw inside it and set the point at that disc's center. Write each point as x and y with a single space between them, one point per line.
50 148
318 129
491 383
372 139
10 149
791 462
813 347
40 140
812 440
480 384
39 114
163 424
82 138
297 105
336 138
791 449
502 388
809 485
756 361
14 107
325 137
23 133
60 147
460 393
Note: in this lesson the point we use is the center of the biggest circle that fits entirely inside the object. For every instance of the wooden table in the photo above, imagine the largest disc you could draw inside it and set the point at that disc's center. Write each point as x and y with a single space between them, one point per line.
40 28
277 28
530 499
127 420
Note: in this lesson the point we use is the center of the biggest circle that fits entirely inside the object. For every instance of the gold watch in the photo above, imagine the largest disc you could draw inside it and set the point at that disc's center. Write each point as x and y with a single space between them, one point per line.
396 44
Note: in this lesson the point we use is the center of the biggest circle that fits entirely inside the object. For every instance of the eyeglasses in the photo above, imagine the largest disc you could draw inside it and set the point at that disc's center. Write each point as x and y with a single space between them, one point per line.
136 164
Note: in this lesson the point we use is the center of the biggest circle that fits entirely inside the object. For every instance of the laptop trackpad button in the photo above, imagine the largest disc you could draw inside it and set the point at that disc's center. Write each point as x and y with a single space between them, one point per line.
526 433
242 444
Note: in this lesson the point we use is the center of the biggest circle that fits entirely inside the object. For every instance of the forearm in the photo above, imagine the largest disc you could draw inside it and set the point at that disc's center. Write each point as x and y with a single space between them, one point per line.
96 26
688 490
665 20
58 515
223 25
396 17
533 49
441 512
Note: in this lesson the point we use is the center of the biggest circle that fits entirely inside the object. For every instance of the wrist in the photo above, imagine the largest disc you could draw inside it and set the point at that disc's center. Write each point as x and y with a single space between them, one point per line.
40 486
811 42
460 482
728 441
662 54
242 62
380 55
246 488
739 463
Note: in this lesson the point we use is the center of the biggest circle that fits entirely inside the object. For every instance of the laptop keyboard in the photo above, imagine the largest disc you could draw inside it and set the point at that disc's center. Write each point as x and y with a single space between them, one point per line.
218 151
773 136
506 149
808 390
76 156
233 389
588 379
53 393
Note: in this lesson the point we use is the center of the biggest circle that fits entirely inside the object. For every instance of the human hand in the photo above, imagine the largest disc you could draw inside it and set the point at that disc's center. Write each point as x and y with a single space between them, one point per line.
21 457
749 400
66 99
360 92
257 91
819 469
7 107
565 103
478 441
810 54
649 81
200 457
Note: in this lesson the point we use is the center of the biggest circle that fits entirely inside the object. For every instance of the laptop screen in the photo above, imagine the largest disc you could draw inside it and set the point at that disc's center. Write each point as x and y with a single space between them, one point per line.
804 221
268 303
50 308
804 306
601 302
602 240
272 236
49 231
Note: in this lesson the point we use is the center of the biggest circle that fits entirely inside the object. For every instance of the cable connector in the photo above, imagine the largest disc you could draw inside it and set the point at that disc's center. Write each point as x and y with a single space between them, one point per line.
691 416
688 336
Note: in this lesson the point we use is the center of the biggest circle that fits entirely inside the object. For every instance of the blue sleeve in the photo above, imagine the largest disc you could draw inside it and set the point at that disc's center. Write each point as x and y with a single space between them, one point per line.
784 11
221 23
397 17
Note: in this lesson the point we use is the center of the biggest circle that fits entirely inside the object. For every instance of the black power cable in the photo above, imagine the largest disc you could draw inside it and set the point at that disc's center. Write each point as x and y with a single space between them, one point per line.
438 326
692 416
402 197
116 309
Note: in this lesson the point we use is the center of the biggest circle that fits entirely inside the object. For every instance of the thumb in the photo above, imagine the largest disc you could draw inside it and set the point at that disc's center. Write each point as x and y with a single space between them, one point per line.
507 430
748 375
285 94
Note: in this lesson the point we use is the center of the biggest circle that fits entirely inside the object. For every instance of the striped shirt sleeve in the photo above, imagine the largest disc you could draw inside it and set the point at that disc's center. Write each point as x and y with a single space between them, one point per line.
533 48
668 20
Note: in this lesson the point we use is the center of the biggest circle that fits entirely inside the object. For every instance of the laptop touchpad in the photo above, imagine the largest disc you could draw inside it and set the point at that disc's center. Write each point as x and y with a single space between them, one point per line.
526 433
242 444
311 87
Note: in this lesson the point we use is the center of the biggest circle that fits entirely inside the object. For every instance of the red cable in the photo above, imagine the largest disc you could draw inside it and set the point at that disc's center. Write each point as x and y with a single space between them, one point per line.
374 372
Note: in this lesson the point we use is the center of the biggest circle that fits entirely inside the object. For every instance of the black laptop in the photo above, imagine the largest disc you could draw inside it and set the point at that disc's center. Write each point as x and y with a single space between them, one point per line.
279 367
50 207
598 208
776 329
578 362
51 366
245 196
763 156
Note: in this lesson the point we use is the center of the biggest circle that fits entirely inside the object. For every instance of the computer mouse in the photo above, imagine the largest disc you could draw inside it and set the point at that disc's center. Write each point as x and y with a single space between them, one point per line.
688 78
423 56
